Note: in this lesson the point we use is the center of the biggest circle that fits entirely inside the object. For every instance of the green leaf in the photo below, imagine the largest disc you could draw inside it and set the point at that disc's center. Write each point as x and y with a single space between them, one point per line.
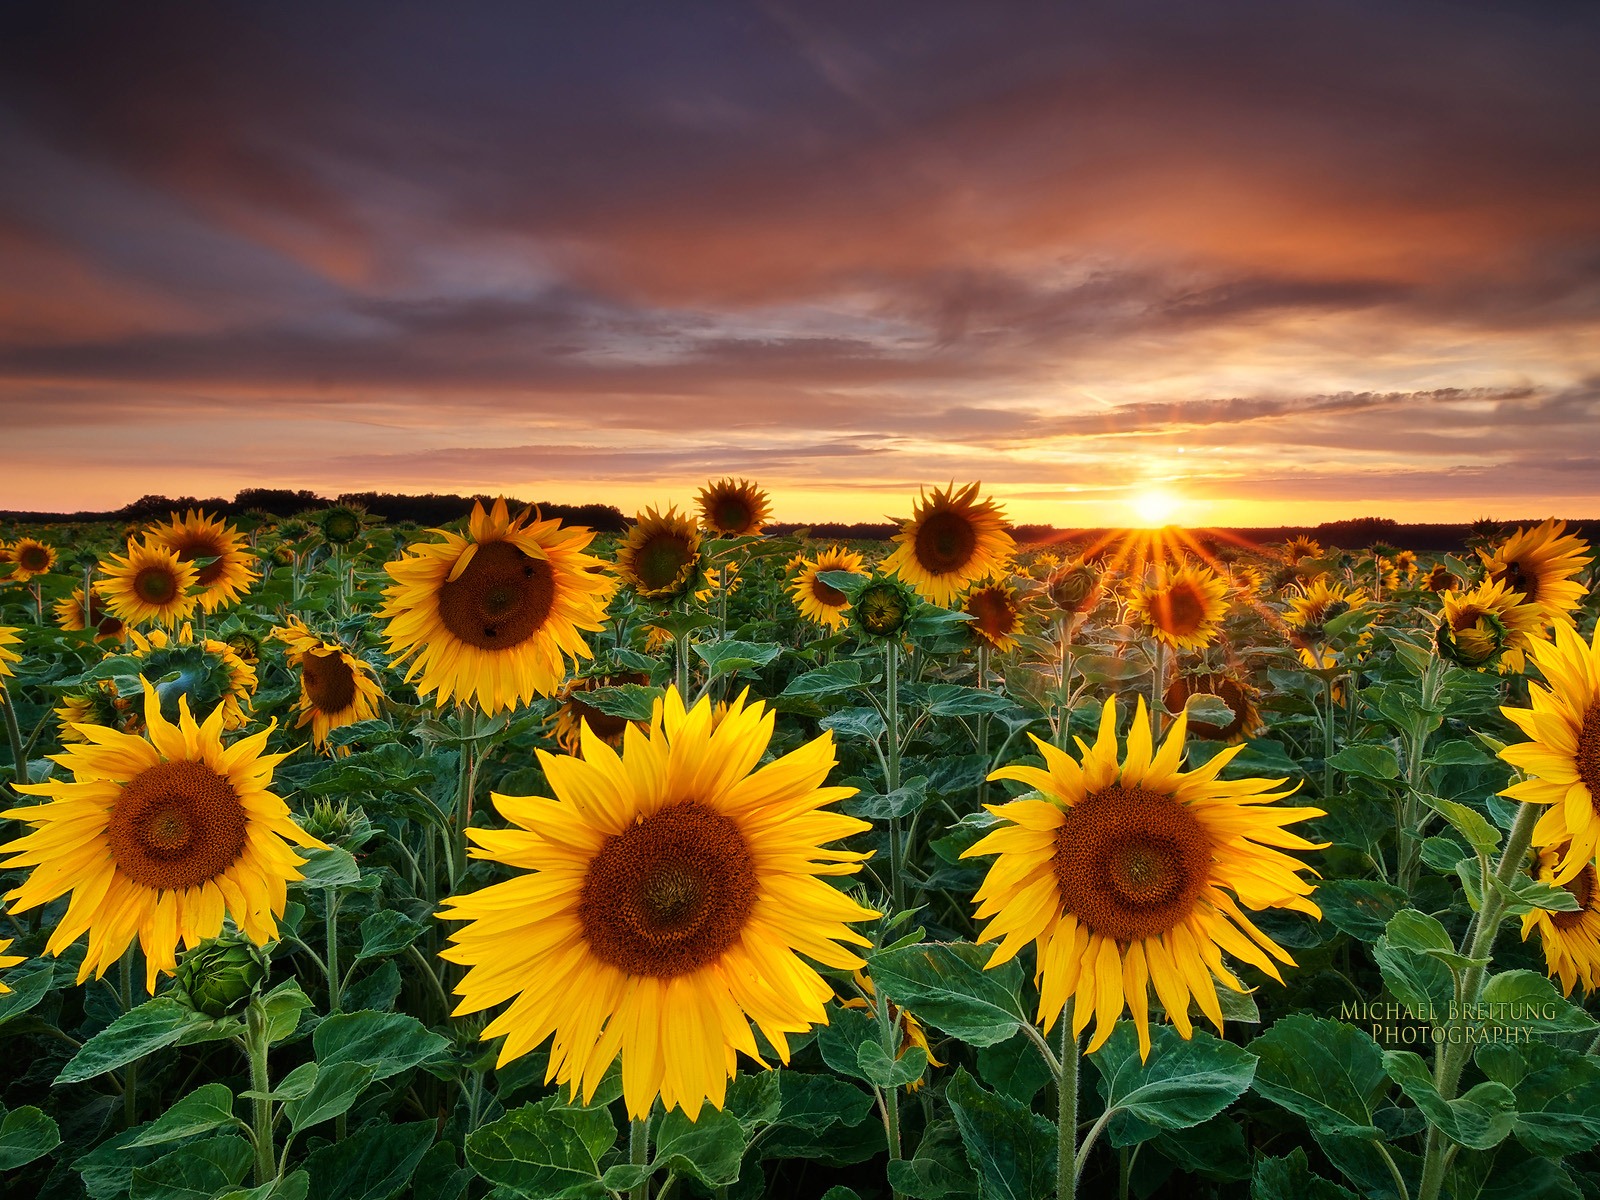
873 806
1459 753
544 1149
334 1091
1368 761
1208 709
1360 907
1011 1149
1423 934
1214 1149
724 658
29 983
329 868
201 1111
938 1170
386 932
372 1164
1481 1118
1290 1178
157 1022
1183 1083
283 1005
682 624
1524 1000
887 1071
818 1102
290 1187
194 1172
840 1040
386 1043
708 1149
26 1133
1413 969
829 680
946 986
1329 1073
953 700
630 701
1469 822
865 723
1014 1068
1557 1094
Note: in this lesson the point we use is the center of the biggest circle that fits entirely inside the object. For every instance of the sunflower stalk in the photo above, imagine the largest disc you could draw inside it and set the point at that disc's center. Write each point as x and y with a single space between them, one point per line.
639 1154
1328 714
1067 1110
19 755
130 1075
891 782
260 1105
466 784
1158 677
88 599
331 960
1064 694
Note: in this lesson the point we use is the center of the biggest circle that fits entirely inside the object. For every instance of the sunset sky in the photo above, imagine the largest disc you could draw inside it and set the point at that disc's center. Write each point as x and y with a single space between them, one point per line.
1276 262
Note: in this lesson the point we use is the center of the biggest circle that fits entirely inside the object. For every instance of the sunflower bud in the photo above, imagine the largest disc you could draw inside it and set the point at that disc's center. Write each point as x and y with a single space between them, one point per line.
882 608
217 977
246 645
1472 638
1074 588
340 525
336 824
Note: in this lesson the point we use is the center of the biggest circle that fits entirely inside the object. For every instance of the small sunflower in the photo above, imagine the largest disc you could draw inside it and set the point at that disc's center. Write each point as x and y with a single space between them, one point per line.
819 601
97 706
882 608
7 960
660 556
336 687
341 524
149 584
732 508
226 574
912 1034
204 668
157 837
1249 580
108 627
1405 562
1237 693
664 898
32 558
1571 940
572 713
492 617
9 636
656 640
1540 563
1563 759
950 540
1184 611
996 611
1316 604
1121 873
1299 547
1489 626
1442 579
1074 587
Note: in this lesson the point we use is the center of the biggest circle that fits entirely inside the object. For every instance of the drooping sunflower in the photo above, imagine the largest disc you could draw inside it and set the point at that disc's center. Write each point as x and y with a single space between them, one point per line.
666 898
1075 587
492 617
1571 940
996 611
1184 610
96 706
1489 626
950 540
9 636
7 960
819 601
1562 761
1540 564
1442 579
158 837
336 687
1236 692
660 556
1299 547
149 584
204 669
732 508
1316 604
1132 875
31 558
572 714
227 576
108 627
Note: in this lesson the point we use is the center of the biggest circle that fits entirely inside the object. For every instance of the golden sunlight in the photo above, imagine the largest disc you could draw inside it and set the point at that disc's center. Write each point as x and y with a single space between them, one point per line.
1154 507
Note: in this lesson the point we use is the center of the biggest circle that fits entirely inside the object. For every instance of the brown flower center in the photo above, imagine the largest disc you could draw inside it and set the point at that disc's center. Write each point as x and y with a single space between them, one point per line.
329 681
1582 887
500 600
827 594
1516 577
176 825
1229 691
732 515
1586 759
996 615
203 545
33 558
156 585
1130 864
1179 610
668 895
660 562
945 542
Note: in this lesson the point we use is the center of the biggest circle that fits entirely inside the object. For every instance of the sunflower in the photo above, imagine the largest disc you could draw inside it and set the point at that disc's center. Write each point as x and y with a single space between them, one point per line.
732 508
1442 579
97 706
996 612
341 524
32 558
1540 564
336 687
660 556
9 636
949 541
819 601
572 714
1299 547
1248 580
1237 693
1122 873
207 669
491 617
1184 611
7 960
1563 759
665 898
656 640
1488 626
158 837
1318 603
1074 587
227 575
108 627
1405 562
1571 940
149 583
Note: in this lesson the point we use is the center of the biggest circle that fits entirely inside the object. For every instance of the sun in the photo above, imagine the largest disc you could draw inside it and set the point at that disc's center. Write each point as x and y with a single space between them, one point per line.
1155 507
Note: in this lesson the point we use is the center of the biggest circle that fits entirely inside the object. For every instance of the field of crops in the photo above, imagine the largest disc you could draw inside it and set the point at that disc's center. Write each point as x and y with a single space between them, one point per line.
352 860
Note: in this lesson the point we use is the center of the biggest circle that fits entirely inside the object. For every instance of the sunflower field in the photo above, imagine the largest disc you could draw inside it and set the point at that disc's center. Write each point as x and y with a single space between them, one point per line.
349 860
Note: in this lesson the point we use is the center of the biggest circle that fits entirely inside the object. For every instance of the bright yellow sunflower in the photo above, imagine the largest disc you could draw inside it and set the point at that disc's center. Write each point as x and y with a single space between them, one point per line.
492 617
149 584
208 666
336 687
9 636
660 556
572 714
666 897
1121 874
1405 562
1571 940
996 611
1184 610
732 508
1299 547
818 601
1317 603
1563 759
7 960
1442 579
32 558
1540 563
228 575
1489 626
1237 693
97 706
108 627
157 837
950 540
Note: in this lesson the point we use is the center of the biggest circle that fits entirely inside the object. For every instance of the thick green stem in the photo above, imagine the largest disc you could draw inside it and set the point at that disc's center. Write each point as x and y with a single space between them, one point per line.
983 721
260 1106
1327 745
681 652
331 929
88 599
639 1155
891 666
130 1075
466 779
1067 1113
1158 680
19 756
1066 678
